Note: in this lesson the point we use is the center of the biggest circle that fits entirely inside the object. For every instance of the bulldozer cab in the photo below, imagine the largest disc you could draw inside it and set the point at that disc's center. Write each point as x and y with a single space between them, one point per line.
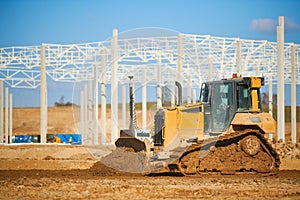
222 99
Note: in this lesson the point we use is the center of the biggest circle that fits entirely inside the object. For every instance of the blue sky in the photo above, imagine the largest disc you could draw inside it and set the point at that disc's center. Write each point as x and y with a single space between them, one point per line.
32 22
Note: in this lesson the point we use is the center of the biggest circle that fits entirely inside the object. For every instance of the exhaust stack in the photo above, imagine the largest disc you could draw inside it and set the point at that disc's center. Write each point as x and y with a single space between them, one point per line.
179 88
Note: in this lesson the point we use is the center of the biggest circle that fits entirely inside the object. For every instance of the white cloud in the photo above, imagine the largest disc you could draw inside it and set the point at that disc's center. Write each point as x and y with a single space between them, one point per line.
290 25
268 26
264 25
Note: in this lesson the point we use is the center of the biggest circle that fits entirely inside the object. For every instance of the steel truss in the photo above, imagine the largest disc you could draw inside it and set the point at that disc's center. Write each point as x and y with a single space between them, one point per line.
203 57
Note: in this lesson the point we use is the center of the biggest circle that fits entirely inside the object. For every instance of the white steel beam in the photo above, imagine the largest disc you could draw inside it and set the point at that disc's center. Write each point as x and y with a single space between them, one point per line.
280 80
270 99
124 93
90 112
103 98
96 104
85 114
189 89
239 56
73 62
179 68
82 123
6 116
179 59
144 100
43 95
159 82
210 69
114 87
173 91
293 95
194 96
10 117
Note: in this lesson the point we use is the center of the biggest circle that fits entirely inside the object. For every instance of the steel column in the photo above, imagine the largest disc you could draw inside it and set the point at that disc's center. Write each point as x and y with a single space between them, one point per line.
179 58
10 118
96 104
159 82
90 112
293 95
189 89
270 100
6 116
85 114
124 120
280 80
210 69
239 56
144 99
194 96
43 95
179 68
103 97
82 124
114 87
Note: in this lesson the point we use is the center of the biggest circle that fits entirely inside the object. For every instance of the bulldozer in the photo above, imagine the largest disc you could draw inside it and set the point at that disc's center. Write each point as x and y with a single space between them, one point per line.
225 132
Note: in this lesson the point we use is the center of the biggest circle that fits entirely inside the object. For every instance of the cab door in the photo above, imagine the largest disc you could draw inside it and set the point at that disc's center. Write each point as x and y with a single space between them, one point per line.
222 106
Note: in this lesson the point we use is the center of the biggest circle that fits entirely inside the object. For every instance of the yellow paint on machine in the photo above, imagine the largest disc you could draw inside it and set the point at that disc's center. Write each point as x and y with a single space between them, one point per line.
182 123
263 120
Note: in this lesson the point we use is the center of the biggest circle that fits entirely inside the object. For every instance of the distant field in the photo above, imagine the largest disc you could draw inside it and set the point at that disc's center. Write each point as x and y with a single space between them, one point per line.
26 121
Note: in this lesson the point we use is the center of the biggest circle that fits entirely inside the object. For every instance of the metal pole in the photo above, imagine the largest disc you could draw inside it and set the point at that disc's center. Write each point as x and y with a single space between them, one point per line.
82 128
43 95
179 58
144 100
280 79
189 89
85 114
90 112
179 67
239 56
114 87
10 118
1 111
6 115
293 95
103 97
194 96
210 69
96 104
257 69
270 100
159 85
124 120
173 91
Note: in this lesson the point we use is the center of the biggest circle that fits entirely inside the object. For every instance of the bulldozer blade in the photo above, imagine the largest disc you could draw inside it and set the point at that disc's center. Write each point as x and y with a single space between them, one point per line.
131 142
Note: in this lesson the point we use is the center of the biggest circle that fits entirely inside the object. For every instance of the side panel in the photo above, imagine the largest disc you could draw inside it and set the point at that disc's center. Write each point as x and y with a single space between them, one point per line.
170 128
183 123
191 125
263 121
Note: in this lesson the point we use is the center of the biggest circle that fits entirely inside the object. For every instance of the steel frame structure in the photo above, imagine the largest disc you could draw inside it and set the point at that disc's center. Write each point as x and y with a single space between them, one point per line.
20 66
190 59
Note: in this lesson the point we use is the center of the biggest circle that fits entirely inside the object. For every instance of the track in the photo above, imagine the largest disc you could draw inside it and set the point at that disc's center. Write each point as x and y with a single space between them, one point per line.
247 151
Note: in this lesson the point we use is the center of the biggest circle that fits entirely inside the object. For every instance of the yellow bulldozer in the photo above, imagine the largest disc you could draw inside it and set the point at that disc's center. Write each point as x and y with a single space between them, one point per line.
224 132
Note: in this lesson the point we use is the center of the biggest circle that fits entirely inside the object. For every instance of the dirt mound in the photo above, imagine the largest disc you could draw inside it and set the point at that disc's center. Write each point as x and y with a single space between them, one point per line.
100 169
126 161
288 150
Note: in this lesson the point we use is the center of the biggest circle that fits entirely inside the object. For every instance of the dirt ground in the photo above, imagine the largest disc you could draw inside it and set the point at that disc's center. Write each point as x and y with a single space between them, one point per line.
98 183
65 172
54 171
